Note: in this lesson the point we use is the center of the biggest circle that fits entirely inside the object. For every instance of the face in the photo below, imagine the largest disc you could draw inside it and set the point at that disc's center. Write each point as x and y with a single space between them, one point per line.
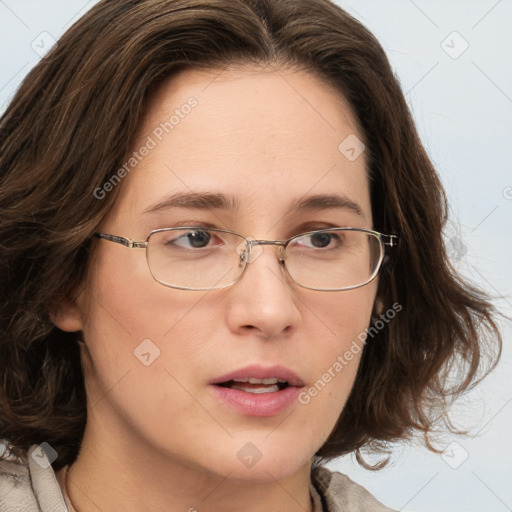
267 140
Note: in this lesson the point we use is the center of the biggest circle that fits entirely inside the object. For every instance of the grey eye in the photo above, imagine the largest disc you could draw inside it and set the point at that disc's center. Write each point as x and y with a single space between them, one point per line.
321 239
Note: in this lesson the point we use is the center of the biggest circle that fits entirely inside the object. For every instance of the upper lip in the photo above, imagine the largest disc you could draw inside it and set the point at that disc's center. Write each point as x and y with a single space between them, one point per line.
261 372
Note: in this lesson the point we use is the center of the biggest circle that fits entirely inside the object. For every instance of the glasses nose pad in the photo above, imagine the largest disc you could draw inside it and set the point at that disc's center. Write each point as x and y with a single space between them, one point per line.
248 250
243 251
244 257
282 255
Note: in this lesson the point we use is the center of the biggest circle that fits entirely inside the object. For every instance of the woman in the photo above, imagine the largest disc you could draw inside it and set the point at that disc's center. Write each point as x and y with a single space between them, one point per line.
222 263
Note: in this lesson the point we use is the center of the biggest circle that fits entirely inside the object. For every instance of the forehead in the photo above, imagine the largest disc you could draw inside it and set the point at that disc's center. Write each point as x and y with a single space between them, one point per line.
258 135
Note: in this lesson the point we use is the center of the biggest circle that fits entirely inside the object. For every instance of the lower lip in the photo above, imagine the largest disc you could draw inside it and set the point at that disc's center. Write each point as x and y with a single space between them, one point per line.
258 404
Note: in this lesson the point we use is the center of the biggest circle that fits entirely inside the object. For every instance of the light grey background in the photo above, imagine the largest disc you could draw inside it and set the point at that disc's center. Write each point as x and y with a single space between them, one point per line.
462 101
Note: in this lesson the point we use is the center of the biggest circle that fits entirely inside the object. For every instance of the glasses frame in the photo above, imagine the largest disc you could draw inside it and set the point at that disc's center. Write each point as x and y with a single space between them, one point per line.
384 241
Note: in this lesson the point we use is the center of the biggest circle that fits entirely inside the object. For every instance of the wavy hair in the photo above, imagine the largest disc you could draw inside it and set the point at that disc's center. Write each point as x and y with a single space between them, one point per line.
73 121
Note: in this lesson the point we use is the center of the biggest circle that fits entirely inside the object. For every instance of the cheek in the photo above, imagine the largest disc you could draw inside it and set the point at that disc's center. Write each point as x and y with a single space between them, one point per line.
144 342
342 322
343 315
125 298
135 324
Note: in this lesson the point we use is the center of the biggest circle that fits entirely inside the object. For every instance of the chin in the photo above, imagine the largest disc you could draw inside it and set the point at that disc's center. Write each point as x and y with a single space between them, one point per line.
262 461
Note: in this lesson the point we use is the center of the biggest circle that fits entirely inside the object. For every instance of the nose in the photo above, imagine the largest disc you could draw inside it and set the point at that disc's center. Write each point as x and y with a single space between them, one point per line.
263 301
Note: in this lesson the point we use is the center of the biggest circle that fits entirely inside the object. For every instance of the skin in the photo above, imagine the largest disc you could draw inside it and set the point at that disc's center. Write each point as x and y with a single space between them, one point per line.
156 437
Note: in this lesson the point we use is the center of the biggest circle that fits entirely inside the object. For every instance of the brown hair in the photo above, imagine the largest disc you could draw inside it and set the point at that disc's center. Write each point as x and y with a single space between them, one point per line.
73 121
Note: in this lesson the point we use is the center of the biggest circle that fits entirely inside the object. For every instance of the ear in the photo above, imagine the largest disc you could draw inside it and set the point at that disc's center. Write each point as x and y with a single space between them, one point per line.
378 308
67 317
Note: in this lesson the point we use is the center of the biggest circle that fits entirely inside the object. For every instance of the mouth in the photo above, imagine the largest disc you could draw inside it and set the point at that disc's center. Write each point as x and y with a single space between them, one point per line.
256 386
258 390
259 379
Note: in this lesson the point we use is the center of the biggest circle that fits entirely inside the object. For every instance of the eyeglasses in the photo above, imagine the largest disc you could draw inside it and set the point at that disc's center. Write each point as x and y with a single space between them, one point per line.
197 258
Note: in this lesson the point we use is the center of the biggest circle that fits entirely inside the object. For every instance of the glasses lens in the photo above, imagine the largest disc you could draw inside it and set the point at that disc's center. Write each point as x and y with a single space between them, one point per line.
197 259
334 259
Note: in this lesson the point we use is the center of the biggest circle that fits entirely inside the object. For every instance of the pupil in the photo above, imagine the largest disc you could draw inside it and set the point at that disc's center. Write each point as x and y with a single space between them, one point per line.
321 239
199 238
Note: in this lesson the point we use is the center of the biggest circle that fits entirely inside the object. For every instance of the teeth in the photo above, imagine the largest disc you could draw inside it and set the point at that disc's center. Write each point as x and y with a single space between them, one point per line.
247 389
253 385
252 380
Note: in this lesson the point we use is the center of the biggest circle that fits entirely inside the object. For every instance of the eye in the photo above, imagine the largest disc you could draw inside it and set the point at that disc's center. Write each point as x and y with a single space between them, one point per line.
320 240
197 239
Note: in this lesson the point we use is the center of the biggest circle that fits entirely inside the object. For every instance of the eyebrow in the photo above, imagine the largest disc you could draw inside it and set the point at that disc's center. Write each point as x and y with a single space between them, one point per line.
195 201
210 200
326 202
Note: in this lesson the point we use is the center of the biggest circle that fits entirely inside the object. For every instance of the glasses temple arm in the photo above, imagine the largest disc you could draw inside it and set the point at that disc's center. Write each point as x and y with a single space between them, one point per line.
127 242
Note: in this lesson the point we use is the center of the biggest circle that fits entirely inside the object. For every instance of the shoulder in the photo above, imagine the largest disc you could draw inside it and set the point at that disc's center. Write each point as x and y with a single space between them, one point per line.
28 483
340 493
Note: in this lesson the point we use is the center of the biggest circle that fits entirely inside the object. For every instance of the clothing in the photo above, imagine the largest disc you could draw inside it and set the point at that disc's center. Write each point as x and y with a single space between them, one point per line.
29 484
